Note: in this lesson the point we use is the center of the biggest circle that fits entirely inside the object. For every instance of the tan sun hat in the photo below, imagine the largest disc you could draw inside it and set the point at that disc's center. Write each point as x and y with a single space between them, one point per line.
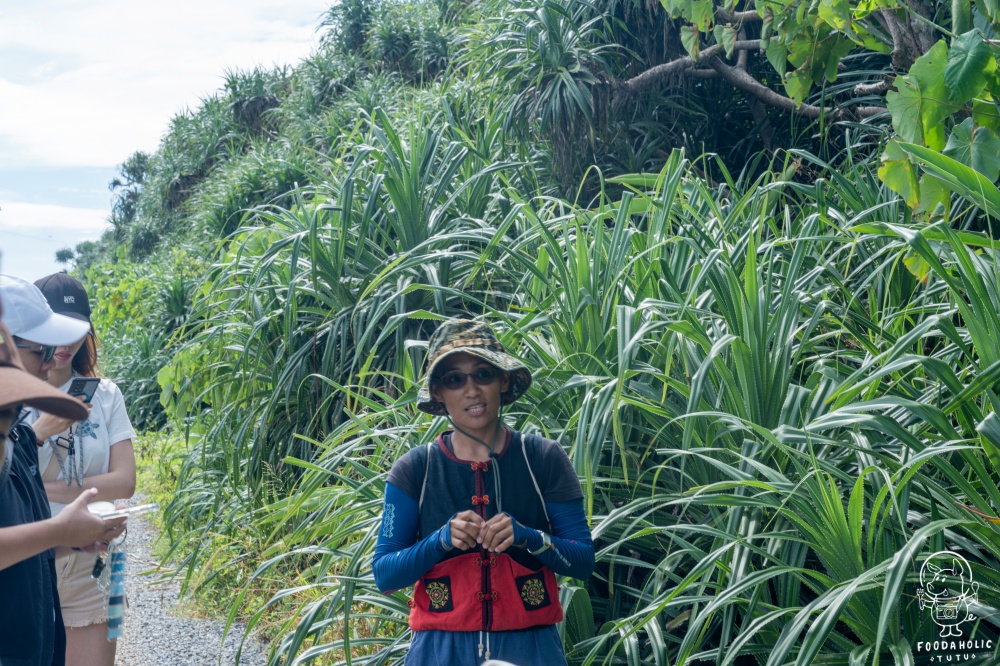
476 338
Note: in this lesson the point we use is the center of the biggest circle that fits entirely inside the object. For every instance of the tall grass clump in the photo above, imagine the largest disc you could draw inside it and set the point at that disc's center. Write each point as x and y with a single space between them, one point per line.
774 417
777 384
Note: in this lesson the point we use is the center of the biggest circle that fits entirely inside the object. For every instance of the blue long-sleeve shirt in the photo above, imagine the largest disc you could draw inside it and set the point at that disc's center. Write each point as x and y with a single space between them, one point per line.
400 559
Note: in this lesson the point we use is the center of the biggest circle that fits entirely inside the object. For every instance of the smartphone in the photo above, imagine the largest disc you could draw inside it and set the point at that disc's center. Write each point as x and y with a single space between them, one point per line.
129 511
85 386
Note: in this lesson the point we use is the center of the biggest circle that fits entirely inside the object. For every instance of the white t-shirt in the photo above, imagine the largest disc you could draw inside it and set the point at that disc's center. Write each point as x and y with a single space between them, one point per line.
107 425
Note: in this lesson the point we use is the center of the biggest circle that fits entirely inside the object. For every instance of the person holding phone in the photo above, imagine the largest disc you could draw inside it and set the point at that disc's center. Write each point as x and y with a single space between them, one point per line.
31 627
94 453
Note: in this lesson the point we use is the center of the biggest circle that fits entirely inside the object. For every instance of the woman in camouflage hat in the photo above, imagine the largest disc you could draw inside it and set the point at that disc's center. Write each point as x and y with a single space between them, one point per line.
481 519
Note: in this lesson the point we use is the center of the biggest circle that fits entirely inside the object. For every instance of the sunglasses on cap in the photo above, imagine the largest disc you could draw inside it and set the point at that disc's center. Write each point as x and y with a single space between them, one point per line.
455 379
46 351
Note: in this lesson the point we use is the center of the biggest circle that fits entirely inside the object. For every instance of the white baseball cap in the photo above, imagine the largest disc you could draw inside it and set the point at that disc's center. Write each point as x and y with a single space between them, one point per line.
27 314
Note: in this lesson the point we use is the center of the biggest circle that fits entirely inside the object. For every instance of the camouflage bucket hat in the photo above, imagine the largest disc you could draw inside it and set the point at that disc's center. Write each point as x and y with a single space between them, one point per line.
478 339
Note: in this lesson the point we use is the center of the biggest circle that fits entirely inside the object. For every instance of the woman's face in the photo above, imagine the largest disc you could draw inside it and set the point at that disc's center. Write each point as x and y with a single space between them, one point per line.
33 359
472 406
65 354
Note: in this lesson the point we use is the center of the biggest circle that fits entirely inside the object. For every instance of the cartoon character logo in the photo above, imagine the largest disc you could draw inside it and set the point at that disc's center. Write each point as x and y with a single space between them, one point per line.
947 588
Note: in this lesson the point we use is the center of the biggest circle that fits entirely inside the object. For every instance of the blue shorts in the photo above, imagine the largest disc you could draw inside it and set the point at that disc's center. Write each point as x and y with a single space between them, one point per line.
538 646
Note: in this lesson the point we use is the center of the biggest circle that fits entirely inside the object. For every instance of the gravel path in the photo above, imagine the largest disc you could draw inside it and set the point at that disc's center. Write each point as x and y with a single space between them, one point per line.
156 632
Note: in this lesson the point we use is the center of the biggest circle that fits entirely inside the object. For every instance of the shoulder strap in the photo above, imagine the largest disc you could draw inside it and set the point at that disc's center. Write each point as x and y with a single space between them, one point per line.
8 456
536 441
427 468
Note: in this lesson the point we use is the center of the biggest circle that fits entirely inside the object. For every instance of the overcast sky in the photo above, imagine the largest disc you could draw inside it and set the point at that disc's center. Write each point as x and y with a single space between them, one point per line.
84 84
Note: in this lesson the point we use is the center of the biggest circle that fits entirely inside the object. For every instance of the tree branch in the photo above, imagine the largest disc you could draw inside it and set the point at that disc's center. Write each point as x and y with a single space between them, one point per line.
741 59
743 81
869 111
737 17
873 88
904 49
747 83
653 75
710 65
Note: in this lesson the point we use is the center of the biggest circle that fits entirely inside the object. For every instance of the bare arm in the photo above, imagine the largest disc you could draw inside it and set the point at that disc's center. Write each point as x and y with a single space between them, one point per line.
75 527
117 483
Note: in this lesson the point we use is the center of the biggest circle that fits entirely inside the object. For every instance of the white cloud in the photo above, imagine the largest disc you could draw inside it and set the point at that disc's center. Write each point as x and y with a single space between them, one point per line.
47 219
30 234
88 83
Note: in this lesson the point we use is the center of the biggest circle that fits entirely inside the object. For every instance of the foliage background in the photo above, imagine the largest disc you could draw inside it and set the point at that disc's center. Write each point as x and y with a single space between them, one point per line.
746 249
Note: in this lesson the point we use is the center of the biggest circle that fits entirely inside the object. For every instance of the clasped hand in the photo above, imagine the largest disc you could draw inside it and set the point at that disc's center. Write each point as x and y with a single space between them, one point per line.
469 530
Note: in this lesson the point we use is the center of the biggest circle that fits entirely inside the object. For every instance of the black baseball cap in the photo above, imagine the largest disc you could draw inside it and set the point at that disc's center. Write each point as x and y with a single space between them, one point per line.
65 295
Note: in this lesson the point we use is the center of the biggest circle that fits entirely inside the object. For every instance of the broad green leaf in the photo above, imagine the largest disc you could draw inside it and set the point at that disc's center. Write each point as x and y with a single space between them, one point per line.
932 193
989 8
976 147
832 58
928 71
865 7
674 7
993 84
777 55
797 84
985 113
917 266
726 35
837 13
965 72
916 117
900 174
873 43
702 14
904 106
690 38
800 48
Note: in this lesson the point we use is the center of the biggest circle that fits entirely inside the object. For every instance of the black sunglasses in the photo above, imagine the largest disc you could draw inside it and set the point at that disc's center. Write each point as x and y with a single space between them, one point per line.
455 379
46 351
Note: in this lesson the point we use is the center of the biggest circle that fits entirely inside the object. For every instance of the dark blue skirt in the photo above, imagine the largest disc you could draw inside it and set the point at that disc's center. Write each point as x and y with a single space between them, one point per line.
538 646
